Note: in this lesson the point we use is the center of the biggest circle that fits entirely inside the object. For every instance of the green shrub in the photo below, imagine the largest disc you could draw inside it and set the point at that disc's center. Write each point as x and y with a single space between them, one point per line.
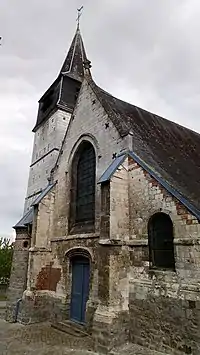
6 253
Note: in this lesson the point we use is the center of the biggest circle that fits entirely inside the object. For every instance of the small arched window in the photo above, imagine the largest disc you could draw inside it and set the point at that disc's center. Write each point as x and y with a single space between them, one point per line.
83 185
161 246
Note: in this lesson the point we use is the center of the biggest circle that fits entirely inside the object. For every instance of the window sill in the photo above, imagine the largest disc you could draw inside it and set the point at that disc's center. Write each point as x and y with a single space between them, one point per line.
81 228
156 270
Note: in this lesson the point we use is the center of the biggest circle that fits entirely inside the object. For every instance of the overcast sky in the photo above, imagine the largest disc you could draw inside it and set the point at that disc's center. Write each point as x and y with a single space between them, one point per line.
146 52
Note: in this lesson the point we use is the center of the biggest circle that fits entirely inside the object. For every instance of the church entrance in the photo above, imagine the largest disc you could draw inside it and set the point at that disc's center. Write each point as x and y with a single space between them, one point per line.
80 288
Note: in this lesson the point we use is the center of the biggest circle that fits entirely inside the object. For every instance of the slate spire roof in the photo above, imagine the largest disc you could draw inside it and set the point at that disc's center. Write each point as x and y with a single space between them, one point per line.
73 65
63 90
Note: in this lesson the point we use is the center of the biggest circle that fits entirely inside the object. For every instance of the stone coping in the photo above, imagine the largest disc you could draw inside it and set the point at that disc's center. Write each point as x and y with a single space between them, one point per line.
188 288
118 242
144 242
114 242
187 241
36 249
76 236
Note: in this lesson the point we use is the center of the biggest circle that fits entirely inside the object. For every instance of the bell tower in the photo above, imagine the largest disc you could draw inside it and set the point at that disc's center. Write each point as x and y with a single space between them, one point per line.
54 112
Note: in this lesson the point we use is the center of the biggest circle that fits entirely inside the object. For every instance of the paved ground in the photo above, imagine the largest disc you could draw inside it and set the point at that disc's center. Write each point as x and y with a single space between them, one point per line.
42 339
133 349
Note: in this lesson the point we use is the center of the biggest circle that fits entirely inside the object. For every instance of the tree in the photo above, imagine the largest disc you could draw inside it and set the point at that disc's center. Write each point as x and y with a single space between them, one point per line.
6 253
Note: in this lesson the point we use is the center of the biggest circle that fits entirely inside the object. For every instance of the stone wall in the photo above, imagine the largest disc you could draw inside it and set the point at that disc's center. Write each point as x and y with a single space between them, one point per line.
164 305
119 205
3 290
111 319
48 293
163 317
44 215
89 122
47 142
18 278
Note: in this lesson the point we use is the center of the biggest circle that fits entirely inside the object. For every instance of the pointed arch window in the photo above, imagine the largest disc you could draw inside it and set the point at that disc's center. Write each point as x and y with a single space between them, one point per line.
161 241
83 186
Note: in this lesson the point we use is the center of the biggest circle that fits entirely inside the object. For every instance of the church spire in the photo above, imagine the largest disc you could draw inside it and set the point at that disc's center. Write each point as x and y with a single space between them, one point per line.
63 92
73 65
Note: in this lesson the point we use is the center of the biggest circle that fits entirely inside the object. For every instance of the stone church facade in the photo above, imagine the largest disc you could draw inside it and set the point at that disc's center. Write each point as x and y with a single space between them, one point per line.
110 236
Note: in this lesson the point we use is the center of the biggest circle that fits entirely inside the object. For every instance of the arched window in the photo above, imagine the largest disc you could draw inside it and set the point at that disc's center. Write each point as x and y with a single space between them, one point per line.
83 185
161 246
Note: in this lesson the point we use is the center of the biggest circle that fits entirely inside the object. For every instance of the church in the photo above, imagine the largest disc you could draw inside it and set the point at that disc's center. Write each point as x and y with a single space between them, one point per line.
109 240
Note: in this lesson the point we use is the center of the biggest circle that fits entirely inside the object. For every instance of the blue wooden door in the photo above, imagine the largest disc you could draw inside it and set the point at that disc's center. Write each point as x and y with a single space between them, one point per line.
80 288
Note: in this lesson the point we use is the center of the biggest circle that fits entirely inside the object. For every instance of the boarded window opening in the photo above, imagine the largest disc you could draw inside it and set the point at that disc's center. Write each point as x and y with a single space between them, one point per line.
25 244
161 246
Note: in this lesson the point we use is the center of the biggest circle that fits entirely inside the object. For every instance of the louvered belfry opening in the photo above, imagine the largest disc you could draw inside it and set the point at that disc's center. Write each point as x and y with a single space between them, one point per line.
83 186
161 246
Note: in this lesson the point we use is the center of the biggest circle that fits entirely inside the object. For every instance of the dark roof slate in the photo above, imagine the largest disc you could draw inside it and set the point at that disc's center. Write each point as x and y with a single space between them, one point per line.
171 150
43 194
76 56
28 217
112 168
25 220
110 171
57 95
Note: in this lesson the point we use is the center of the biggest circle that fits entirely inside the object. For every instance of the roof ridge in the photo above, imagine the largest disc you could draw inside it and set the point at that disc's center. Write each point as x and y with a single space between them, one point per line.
70 67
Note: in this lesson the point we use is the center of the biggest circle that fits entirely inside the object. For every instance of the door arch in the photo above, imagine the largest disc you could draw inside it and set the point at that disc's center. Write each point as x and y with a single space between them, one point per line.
80 288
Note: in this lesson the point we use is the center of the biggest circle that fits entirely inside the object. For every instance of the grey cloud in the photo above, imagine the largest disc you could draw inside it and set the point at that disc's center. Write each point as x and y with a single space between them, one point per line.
145 52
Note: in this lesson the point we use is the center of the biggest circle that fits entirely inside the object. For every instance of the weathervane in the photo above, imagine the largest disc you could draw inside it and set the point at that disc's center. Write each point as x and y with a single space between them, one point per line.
79 15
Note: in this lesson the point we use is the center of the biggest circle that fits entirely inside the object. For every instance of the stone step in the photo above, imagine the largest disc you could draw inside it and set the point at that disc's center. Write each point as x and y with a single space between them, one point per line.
72 328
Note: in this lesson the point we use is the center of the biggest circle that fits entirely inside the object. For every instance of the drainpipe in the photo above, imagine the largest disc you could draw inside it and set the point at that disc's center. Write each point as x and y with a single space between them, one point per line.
17 309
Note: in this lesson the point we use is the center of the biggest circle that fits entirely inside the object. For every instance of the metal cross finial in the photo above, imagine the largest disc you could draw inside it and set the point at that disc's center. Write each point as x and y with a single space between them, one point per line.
79 15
